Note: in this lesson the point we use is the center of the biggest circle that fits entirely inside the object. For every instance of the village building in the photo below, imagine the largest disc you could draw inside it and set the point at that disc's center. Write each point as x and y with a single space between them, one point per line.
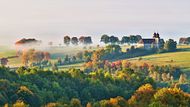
149 43
183 41
3 61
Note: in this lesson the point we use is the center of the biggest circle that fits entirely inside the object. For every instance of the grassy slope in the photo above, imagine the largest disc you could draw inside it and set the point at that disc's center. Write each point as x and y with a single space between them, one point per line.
70 50
180 59
7 52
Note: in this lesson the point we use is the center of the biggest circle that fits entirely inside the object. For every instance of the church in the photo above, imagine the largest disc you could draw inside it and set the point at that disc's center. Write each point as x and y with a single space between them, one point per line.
150 43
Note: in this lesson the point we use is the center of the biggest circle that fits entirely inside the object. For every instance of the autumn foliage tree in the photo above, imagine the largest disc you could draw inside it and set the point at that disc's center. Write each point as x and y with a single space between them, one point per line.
114 102
171 97
142 96
19 103
33 56
125 64
75 103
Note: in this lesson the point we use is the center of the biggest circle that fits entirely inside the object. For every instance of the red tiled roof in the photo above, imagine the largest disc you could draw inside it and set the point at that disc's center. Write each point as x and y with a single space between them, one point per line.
183 40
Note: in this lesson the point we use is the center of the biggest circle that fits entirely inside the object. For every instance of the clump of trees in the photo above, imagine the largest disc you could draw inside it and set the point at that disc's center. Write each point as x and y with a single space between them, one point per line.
131 39
112 102
170 45
125 39
27 41
75 41
33 57
70 59
147 96
142 96
99 59
110 52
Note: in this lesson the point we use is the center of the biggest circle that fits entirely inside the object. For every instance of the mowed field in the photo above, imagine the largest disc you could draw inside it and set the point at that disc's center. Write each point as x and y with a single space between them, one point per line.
180 58
8 52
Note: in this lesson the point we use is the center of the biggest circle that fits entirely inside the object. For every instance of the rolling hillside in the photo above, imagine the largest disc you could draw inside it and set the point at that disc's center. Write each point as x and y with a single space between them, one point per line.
181 59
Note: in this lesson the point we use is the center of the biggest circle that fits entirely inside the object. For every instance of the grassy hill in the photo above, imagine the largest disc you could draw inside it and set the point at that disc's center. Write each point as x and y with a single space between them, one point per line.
181 58
8 52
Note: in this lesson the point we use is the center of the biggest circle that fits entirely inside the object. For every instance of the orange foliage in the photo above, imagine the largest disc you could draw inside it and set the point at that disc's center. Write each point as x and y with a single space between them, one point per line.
142 96
89 64
126 64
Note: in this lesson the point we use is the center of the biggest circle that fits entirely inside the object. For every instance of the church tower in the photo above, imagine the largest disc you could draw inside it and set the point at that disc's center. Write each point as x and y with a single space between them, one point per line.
156 36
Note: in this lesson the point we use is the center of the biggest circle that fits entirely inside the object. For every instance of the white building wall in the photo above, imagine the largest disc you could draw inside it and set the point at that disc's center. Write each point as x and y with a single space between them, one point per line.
147 46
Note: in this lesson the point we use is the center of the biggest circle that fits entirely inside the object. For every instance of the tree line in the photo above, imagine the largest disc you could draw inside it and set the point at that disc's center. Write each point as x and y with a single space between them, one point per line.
125 39
75 41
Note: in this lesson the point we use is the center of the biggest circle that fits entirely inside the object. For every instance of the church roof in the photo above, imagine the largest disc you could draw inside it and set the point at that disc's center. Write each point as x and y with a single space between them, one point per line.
147 41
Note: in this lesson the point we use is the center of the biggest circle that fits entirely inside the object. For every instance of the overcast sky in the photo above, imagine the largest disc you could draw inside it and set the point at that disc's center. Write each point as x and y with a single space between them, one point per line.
50 20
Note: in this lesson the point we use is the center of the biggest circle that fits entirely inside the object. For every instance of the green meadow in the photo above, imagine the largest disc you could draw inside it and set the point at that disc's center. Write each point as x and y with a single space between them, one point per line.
181 59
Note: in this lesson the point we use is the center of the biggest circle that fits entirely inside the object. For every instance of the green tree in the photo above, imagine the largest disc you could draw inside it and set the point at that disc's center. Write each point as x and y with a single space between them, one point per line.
79 55
133 39
125 39
67 40
28 96
74 40
67 59
105 39
114 40
113 48
54 67
170 45
87 40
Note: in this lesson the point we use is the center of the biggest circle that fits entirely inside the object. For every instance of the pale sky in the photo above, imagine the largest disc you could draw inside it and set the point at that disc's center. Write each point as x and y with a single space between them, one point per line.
50 20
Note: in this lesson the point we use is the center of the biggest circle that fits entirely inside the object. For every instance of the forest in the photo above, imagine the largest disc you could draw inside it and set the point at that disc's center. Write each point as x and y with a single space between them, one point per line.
126 85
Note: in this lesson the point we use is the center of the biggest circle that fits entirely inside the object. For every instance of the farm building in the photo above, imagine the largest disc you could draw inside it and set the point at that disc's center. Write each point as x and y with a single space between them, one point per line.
3 61
184 41
150 43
